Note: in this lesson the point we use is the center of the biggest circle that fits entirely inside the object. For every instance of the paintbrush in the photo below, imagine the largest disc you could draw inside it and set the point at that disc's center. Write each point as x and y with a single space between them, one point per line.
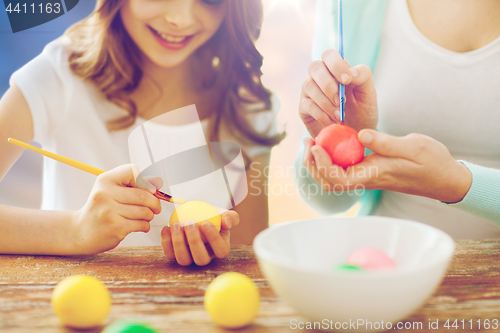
341 51
84 167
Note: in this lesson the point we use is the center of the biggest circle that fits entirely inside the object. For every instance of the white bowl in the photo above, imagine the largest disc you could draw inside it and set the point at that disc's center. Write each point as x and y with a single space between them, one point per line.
298 258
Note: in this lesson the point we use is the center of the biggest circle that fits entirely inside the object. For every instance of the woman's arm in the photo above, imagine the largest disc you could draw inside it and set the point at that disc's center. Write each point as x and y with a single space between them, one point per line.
483 197
419 165
31 231
115 207
27 231
15 122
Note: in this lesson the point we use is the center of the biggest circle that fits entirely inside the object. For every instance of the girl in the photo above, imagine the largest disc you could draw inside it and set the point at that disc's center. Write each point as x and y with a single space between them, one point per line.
127 63
436 68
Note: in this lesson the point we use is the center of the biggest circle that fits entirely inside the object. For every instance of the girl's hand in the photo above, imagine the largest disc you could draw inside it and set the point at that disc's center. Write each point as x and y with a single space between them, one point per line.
186 244
115 208
413 164
319 100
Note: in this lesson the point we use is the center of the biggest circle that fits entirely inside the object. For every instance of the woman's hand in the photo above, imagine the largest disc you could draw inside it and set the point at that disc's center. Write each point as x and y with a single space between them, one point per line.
413 164
319 100
186 244
115 208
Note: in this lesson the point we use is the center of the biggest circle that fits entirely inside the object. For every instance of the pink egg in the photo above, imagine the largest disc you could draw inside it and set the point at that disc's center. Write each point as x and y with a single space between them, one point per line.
371 259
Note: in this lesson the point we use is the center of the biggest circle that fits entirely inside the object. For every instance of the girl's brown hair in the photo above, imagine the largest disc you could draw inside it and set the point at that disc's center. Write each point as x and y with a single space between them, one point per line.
105 54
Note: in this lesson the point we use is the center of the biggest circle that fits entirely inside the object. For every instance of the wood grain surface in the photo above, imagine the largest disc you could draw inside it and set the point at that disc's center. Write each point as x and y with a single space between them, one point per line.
148 287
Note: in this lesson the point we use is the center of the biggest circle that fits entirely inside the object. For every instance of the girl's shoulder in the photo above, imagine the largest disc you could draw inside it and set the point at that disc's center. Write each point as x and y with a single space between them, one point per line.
57 54
50 68
50 88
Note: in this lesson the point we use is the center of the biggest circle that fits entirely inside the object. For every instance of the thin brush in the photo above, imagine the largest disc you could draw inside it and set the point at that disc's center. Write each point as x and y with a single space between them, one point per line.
341 51
84 167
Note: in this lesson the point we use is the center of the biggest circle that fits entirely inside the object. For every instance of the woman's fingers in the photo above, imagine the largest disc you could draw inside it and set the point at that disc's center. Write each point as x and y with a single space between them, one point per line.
137 196
310 165
339 68
230 219
209 250
409 147
134 212
321 157
309 108
199 244
363 78
187 246
324 81
307 158
331 177
122 175
198 250
225 235
219 242
156 181
198 253
166 243
181 250
130 226
311 89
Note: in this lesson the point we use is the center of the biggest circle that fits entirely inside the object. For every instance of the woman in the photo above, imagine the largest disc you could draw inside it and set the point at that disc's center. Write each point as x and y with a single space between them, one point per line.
435 67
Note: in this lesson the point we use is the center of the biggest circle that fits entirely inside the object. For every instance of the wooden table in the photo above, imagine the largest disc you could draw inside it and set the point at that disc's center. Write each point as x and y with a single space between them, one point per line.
147 287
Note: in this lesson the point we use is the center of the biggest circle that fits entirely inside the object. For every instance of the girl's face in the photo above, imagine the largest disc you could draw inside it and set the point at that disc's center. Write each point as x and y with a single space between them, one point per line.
169 31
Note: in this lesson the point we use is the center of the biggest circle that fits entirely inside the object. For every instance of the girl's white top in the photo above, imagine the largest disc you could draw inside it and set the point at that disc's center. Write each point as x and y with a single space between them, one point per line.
69 118
424 88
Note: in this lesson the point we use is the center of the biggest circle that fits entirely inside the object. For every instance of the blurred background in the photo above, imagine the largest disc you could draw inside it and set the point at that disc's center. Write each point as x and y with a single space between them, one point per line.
286 44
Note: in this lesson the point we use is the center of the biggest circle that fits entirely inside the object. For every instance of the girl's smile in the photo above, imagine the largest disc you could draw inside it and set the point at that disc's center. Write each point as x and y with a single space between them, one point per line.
168 32
171 42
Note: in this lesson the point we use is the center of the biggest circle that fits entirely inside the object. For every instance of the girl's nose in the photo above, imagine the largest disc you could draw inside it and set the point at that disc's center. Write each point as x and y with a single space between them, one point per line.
180 14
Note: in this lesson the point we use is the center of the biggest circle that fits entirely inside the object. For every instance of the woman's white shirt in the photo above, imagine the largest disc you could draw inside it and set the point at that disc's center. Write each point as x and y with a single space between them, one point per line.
449 96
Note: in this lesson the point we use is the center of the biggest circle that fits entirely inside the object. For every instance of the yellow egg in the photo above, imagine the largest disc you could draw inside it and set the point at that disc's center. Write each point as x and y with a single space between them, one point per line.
197 211
81 301
232 300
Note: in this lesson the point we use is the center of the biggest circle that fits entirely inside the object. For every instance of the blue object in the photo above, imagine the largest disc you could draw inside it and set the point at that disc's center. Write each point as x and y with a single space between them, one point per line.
341 51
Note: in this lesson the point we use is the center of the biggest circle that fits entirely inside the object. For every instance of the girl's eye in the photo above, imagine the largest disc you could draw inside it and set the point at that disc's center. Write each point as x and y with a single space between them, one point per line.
212 2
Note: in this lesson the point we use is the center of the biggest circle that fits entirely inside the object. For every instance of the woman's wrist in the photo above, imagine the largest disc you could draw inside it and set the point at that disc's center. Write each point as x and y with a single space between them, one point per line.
75 240
461 183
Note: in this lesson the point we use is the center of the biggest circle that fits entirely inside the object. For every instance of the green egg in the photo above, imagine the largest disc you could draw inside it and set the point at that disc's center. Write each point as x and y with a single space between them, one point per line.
348 268
129 327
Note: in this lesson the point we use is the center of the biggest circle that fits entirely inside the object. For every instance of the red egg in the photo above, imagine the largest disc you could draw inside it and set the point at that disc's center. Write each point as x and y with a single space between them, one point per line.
371 259
342 144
